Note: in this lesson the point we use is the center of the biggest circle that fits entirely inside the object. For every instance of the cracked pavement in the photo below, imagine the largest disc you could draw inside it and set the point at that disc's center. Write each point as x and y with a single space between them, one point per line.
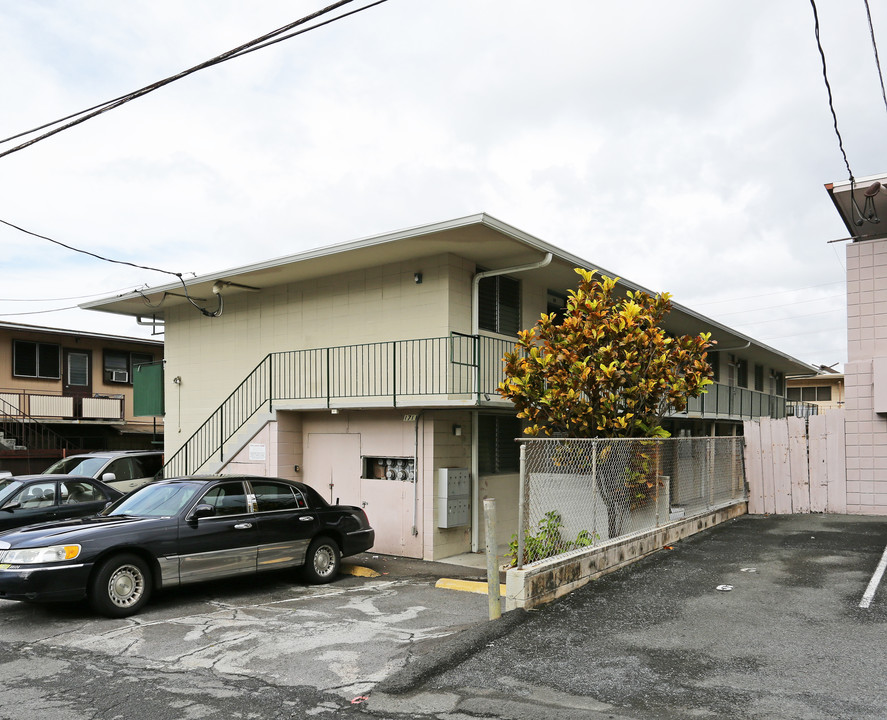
266 647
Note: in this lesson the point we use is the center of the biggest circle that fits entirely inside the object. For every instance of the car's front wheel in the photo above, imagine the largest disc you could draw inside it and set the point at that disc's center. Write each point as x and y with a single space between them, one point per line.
322 561
121 586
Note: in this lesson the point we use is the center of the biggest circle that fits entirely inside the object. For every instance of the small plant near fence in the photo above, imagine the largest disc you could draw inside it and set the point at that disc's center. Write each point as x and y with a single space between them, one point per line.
548 541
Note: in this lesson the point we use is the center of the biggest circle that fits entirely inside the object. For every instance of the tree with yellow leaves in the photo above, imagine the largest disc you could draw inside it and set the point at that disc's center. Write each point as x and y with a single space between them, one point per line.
607 369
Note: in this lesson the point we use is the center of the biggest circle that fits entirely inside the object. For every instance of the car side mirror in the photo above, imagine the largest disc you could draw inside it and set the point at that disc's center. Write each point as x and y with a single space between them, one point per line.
108 477
202 511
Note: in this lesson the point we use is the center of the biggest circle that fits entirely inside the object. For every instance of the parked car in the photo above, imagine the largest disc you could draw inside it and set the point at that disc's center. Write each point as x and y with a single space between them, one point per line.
28 499
178 531
122 469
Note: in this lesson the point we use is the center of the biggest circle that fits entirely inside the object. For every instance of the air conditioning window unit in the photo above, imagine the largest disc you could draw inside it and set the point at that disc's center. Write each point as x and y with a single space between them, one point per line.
119 376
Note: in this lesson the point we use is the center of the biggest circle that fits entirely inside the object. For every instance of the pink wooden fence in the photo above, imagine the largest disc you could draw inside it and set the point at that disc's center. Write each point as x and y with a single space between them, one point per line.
793 466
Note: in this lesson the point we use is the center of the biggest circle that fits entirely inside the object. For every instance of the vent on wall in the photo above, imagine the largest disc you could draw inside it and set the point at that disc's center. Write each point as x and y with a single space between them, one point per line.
879 384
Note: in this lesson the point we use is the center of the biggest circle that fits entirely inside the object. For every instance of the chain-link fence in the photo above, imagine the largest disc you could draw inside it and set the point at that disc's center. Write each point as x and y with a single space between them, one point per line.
577 493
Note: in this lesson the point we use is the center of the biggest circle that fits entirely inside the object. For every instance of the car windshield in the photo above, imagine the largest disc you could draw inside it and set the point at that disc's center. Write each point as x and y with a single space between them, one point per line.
156 500
83 466
8 486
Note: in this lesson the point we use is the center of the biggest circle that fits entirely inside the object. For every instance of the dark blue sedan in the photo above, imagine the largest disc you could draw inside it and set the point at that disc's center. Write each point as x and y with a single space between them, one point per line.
178 531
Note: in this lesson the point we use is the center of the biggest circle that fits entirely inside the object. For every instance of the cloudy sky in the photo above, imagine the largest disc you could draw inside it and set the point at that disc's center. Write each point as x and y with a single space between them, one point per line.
682 145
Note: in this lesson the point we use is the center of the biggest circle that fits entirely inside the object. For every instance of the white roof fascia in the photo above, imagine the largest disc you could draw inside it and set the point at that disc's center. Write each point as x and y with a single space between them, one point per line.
418 231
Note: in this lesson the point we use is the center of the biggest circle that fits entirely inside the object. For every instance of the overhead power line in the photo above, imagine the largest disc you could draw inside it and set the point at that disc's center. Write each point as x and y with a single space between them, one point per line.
258 43
760 295
209 313
782 305
828 87
868 13
60 299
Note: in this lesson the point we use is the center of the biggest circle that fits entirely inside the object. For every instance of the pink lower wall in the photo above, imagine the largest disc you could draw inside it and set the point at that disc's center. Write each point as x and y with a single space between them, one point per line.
866 429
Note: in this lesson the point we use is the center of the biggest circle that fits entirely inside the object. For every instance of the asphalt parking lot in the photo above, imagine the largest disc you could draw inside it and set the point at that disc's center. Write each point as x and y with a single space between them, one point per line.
757 618
265 647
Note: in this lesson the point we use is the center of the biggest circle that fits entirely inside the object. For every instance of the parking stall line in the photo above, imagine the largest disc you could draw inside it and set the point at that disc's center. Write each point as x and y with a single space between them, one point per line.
869 594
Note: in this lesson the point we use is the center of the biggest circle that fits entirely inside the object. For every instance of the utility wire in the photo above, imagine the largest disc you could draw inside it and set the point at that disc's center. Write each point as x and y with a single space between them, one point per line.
39 312
60 299
790 318
828 87
209 313
259 43
777 292
782 305
868 13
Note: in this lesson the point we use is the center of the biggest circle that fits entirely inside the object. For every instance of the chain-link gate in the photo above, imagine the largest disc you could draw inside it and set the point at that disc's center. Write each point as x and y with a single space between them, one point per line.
576 493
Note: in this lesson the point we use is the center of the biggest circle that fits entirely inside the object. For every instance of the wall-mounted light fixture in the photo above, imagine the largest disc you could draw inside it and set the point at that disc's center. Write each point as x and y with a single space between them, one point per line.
418 278
457 430
177 379
335 411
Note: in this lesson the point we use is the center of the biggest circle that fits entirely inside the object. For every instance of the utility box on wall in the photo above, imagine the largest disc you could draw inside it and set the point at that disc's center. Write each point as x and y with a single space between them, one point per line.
453 497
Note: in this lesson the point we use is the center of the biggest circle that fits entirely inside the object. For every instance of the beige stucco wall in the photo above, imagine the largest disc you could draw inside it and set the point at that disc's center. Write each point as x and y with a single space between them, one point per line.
213 355
866 430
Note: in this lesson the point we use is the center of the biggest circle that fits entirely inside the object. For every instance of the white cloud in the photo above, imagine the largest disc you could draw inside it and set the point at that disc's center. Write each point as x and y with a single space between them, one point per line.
681 145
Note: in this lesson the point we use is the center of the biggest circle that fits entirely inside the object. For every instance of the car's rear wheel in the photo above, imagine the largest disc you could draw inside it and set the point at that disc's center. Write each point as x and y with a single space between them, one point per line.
322 561
121 586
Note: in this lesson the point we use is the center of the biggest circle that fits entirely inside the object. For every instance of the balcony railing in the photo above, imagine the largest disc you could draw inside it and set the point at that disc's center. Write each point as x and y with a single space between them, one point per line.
19 431
55 406
727 401
455 370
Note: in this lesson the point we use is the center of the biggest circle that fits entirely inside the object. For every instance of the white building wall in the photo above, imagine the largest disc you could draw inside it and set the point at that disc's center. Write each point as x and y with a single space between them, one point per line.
866 429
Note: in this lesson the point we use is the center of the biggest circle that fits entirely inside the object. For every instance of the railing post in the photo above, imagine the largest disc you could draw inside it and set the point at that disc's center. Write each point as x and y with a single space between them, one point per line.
476 341
393 373
270 382
521 503
327 377
222 433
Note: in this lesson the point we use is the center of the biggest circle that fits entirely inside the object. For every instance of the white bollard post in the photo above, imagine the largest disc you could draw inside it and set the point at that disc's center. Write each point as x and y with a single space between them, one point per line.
492 559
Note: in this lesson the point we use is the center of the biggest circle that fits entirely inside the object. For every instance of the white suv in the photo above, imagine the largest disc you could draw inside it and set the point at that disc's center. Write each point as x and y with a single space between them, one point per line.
124 470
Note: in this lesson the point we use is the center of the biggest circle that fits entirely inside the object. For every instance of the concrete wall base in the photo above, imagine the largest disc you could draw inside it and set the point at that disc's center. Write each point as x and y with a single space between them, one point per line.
546 580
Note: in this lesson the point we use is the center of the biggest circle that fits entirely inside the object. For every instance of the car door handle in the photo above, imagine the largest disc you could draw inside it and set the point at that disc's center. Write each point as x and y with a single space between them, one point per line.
243 526
306 518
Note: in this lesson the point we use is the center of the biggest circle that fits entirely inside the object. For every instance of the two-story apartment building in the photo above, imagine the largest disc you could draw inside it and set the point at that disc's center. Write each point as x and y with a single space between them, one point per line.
63 391
368 370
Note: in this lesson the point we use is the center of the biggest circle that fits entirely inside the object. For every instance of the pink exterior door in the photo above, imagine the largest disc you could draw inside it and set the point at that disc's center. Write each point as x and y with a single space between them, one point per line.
333 467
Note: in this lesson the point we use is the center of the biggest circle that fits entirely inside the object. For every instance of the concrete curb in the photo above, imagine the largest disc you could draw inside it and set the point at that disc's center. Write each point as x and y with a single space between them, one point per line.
451 651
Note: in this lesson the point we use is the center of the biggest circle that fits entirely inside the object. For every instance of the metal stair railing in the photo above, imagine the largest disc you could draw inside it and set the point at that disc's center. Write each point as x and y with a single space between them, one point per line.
28 431
459 365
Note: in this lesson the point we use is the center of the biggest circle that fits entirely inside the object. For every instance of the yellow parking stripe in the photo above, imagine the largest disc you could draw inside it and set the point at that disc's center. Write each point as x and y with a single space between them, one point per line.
467 586
359 571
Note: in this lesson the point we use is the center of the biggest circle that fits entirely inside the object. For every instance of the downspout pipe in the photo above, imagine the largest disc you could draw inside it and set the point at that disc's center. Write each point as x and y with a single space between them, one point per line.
475 285
475 330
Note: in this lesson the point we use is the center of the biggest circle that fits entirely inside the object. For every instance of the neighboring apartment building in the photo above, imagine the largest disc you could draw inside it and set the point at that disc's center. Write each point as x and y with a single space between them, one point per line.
815 394
368 370
863 208
64 391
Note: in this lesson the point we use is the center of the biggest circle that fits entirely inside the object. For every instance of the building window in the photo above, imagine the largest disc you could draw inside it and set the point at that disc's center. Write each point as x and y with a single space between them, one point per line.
119 365
714 359
777 383
812 393
497 450
742 373
36 360
759 378
499 305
